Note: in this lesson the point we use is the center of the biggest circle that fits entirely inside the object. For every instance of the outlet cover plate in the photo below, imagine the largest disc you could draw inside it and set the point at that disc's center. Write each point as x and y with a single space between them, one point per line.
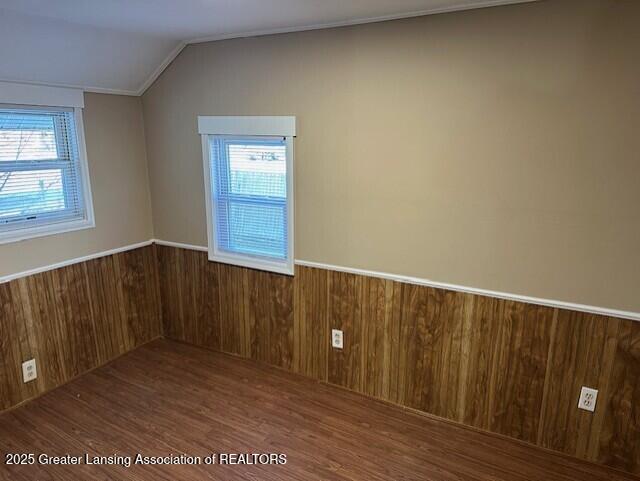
337 340
588 398
29 370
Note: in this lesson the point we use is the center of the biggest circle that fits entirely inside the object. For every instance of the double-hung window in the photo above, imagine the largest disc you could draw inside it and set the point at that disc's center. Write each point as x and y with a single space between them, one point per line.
248 163
44 186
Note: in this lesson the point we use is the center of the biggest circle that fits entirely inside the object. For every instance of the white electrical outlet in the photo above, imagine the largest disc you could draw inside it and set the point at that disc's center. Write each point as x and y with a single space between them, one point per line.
29 370
588 398
336 339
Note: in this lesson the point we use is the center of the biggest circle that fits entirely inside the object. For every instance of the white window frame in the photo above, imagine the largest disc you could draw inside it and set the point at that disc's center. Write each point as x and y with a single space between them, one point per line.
283 126
26 96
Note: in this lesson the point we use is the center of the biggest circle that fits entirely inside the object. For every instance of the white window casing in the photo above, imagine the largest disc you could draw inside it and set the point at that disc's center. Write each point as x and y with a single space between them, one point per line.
43 163
248 167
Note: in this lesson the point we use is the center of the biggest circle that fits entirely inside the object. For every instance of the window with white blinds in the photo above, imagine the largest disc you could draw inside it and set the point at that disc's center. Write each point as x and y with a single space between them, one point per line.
250 201
248 169
43 184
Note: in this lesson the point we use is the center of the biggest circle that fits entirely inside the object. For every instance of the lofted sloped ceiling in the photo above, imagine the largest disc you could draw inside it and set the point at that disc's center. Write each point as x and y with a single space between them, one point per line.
121 46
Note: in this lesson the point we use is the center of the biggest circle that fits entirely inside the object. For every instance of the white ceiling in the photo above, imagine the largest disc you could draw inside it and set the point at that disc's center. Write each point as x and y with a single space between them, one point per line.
121 46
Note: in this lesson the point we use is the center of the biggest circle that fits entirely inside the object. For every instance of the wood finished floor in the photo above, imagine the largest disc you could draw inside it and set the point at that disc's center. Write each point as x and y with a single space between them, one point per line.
168 398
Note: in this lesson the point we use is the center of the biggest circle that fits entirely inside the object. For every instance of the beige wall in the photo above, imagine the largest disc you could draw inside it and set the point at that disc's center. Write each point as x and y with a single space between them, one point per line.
119 182
494 148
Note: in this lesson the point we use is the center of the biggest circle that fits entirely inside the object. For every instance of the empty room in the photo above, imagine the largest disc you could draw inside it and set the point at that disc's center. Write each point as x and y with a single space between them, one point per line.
320 240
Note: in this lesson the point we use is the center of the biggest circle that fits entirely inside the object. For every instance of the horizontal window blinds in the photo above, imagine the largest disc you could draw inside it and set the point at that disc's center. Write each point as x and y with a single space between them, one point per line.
249 187
40 181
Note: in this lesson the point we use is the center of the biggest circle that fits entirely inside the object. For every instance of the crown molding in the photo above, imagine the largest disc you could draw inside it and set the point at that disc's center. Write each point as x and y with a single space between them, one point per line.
359 21
84 88
161 68
257 33
320 26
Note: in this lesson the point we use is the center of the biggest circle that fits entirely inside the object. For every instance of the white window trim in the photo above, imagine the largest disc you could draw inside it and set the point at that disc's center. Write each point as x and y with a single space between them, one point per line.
249 126
22 95
42 95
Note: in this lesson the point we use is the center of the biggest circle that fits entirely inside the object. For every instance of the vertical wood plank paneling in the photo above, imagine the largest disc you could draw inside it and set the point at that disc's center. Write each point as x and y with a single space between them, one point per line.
258 312
430 346
580 356
376 336
589 444
269 313
193 293
138 293
484 335
10 355
396 375
465 355
75 318
190 292
112 334
281 328
6 356
345 313
209 296
415 335
172 278
503 366
26 337
140 284
619 437
40 295
442 355
232 304
152 296
519 369
311 321
499 365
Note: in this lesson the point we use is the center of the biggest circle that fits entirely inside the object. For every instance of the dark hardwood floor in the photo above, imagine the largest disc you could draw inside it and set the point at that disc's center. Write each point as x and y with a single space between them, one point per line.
167 398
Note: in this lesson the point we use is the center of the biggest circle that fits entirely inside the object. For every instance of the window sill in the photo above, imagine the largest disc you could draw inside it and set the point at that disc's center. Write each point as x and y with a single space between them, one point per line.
253 263
45 230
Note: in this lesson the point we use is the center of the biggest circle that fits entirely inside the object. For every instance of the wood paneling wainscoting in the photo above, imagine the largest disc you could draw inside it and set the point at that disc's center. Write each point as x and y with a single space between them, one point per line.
76 318
503 366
